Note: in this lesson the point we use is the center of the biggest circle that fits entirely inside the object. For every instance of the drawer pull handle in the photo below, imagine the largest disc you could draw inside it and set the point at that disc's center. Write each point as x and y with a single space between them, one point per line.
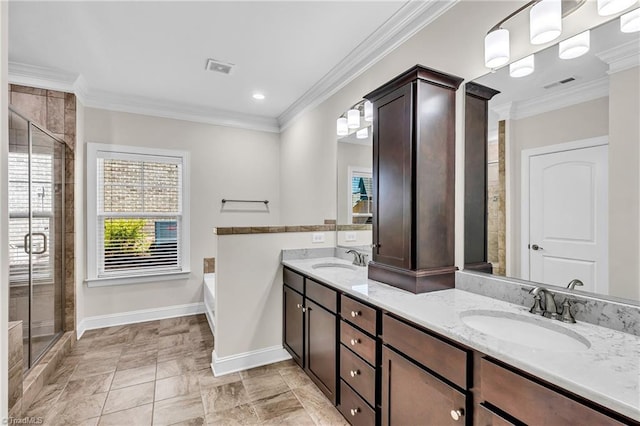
355 342
355 411
354 373
355 314
457 414
299 306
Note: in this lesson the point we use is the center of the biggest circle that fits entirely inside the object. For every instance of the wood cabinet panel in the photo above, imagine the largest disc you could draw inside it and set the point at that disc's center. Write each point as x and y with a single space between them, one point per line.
441 357
412 396
359 314
293 280
358 374
533 403
293 324
321 353
322 295
358 342
354 408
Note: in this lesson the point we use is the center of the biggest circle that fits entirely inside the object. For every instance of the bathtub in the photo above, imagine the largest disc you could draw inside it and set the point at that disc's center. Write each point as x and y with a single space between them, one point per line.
209 299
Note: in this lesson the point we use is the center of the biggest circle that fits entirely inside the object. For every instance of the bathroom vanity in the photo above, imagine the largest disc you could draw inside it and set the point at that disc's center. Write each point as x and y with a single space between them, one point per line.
386 356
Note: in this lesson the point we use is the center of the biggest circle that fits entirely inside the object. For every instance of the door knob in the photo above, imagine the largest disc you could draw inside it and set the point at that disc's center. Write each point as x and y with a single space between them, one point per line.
536 247
457 414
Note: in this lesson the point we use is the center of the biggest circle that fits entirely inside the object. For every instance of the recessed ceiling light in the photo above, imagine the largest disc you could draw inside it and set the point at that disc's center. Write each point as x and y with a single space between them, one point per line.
258 96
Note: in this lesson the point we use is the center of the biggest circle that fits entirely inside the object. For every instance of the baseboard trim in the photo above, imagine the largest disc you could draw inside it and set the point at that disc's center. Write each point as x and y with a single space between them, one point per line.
132 317
243 361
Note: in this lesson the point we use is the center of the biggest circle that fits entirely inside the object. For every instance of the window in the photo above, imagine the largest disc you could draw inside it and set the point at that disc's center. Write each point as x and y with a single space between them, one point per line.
360 191
138 224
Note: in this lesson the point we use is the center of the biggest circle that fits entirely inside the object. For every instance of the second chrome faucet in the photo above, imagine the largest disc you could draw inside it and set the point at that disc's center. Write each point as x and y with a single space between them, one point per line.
544 304
359 259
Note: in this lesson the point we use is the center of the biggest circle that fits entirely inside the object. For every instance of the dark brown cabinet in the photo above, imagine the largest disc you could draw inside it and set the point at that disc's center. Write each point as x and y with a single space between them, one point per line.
412 396
310 327
293 330
413 180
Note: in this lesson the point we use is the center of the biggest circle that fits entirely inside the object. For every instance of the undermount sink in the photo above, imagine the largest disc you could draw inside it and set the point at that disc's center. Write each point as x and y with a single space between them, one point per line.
533 332
333 265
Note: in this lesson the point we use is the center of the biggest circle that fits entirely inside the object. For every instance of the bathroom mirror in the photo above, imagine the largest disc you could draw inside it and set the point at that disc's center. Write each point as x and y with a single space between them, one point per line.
562 167
354 180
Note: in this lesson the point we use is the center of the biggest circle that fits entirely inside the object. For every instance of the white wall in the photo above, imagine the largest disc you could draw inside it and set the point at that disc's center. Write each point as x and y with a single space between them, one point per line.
248 309
582 121
4 215
225 163
624 184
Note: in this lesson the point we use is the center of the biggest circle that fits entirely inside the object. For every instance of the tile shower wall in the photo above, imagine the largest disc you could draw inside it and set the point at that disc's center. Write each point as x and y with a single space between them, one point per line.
56 112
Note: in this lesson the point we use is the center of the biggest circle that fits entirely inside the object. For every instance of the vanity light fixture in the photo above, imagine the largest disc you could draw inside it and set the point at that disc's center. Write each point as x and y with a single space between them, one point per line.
368 111
353 118
362 133
630 22
523 67
610 7
545 24
545 21
496 48
575 46
258 96
341 127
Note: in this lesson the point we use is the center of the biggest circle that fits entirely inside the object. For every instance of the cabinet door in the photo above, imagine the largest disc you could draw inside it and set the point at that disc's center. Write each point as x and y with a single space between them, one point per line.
293 323
392 173
321 348
411 396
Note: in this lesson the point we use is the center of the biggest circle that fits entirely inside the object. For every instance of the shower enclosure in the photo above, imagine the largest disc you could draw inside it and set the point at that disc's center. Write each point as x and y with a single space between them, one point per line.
36 235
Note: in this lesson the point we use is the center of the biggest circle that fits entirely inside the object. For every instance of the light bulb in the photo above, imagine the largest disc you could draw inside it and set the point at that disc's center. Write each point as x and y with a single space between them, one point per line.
545 21
496 48
575 46
353 118
341 126
523 67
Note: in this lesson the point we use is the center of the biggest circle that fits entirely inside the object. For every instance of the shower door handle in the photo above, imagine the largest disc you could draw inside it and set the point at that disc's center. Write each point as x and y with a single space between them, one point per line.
27 243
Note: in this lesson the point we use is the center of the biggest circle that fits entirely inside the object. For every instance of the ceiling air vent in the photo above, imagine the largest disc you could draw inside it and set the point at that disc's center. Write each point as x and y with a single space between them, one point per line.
560 82
219 66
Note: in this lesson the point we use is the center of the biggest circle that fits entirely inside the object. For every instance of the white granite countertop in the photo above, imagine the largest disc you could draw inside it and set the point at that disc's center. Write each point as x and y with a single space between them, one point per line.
608 372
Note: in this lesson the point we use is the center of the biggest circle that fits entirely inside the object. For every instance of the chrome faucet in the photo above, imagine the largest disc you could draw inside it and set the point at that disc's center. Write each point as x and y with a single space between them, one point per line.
550 309
573 283
359 259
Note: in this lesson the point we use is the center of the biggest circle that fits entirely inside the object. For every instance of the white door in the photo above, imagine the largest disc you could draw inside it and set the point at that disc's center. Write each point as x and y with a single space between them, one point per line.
568 214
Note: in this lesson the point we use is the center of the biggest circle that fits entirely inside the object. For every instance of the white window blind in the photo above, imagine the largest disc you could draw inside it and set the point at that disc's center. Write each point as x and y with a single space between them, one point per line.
139 220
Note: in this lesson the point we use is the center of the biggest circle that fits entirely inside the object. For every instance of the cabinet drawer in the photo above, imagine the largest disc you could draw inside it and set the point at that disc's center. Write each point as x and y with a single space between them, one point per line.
437 355
293 280
323 296
358 342
358 374
529 401
354 409
488 417
359 314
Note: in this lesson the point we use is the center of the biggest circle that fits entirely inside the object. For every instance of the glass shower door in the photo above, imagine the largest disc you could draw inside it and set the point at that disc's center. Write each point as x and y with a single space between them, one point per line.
36 235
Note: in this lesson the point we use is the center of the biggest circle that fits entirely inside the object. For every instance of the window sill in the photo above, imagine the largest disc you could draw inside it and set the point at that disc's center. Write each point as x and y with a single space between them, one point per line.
137 279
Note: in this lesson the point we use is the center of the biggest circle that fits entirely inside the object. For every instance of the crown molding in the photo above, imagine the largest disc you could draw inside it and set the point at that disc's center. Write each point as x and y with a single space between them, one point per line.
47 78
407 21
573 95
622 57
179 111
64 81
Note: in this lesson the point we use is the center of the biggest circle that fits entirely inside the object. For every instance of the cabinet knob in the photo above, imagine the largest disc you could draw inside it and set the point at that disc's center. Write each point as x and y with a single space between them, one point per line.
355 411
355 313
304 309
457 414
299 306
355 342
354 373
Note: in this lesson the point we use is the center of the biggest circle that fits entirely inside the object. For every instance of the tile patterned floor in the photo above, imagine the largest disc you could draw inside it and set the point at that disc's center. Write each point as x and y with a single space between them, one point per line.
158 373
